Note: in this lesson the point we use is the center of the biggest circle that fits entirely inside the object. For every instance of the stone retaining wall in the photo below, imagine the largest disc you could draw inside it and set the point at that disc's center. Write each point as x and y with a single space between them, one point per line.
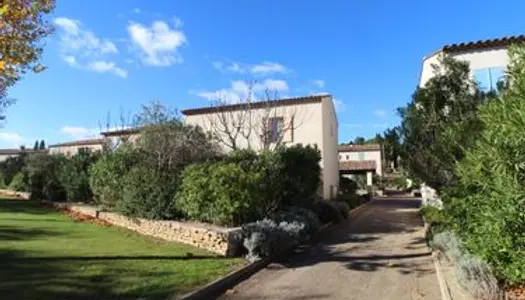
215 239
10 193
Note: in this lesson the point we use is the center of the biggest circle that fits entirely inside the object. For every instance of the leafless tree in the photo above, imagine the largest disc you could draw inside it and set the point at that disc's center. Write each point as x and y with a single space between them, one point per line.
124 121
254 120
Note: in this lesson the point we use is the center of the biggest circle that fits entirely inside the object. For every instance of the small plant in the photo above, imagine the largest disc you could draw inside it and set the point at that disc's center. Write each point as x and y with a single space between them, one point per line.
18 183
327 211
476 277
343 208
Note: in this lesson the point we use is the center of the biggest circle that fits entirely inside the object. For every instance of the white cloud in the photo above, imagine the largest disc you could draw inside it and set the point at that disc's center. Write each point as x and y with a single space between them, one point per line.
263 68
70 59
158 44
12 139
75 39
102 66
82 49
268 67
318 83
77 132
240 90
380 113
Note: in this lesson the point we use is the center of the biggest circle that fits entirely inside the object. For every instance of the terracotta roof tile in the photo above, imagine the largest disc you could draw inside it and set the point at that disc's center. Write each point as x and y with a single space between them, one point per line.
483 44
80 143
254 105
357 165
358 148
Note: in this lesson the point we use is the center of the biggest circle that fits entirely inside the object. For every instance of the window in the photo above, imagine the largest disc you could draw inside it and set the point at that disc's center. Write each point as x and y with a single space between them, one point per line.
361 156
340 157
488 78
276 127
347 157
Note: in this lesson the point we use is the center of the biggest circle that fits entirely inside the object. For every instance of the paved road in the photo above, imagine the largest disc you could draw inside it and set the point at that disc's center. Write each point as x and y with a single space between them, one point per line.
379 253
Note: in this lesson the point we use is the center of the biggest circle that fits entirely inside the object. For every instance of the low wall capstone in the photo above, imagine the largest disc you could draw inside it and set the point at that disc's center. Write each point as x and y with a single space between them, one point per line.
213 238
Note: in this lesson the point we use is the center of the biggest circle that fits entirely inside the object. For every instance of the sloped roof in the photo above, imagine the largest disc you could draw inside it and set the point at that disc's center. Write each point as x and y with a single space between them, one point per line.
357 165
125 131
87 142
359 148
483 44
255 105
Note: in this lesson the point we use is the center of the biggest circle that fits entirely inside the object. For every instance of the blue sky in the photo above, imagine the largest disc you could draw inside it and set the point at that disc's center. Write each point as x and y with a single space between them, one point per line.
113 56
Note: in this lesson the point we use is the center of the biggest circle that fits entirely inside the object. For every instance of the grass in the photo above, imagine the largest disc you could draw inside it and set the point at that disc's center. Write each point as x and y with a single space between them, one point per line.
46 255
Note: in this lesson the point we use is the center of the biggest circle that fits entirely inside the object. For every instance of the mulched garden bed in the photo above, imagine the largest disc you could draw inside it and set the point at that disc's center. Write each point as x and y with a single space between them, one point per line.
516 292
78 217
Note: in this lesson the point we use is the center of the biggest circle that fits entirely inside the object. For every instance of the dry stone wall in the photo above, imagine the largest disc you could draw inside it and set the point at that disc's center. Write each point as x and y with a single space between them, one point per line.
215 239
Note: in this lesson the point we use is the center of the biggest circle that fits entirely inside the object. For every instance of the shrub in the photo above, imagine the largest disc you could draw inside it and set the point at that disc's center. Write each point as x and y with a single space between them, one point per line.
18 183
74 175
436 220
353 200
220 192
343 208
267 238
148 194
41 171
301 215
107 174
486 205
327 211
347 186
11 167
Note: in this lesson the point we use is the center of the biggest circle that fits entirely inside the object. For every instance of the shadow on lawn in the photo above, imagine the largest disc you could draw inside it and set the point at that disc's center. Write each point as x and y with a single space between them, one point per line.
28 279
23 206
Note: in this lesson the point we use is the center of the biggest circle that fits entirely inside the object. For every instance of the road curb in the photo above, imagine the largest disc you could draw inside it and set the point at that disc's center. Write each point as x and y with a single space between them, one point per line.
216 288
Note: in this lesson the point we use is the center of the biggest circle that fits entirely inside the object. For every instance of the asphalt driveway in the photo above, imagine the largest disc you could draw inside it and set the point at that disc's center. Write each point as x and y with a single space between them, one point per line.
379 253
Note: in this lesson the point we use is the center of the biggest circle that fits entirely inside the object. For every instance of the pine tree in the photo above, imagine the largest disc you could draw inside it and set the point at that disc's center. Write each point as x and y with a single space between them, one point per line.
42 145
35 147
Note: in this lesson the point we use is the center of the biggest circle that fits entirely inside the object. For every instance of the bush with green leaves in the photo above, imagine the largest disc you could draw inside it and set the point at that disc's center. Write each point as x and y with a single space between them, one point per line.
299 214
107 174
11 167
42 176
19 183
327 211
221 193
148 194
74 175
486 205
347 186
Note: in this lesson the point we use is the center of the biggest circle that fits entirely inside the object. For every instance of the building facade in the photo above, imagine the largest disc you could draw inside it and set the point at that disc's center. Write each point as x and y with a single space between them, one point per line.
306 120
488 60
8 153
72 148
356 159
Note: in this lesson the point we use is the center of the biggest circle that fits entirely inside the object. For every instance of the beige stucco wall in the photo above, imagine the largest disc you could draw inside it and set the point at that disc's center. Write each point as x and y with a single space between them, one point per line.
311 127
478 59
4 157
72 150
367 155
330 149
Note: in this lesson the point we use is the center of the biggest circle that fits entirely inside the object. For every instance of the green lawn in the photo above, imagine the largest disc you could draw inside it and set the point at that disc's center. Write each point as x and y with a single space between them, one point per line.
45 255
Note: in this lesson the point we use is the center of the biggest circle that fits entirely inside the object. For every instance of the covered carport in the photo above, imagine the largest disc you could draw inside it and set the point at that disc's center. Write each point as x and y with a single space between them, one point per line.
355 167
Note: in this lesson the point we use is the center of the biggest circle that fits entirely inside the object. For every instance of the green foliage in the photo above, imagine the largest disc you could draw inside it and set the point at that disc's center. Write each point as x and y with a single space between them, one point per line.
436 220
327 211
487 202
220 192
353 200
440 123
74 175
347 186
10 167
245 186
106 175
148 194
42 174
19 183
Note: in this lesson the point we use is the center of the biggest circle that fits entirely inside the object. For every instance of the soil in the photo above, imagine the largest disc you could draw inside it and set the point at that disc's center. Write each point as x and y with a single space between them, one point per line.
78 217
516 292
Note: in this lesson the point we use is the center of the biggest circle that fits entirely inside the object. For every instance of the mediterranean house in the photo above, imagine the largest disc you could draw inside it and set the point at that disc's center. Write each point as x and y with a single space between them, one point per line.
261 125
72 148
488 59
360 159
7 153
